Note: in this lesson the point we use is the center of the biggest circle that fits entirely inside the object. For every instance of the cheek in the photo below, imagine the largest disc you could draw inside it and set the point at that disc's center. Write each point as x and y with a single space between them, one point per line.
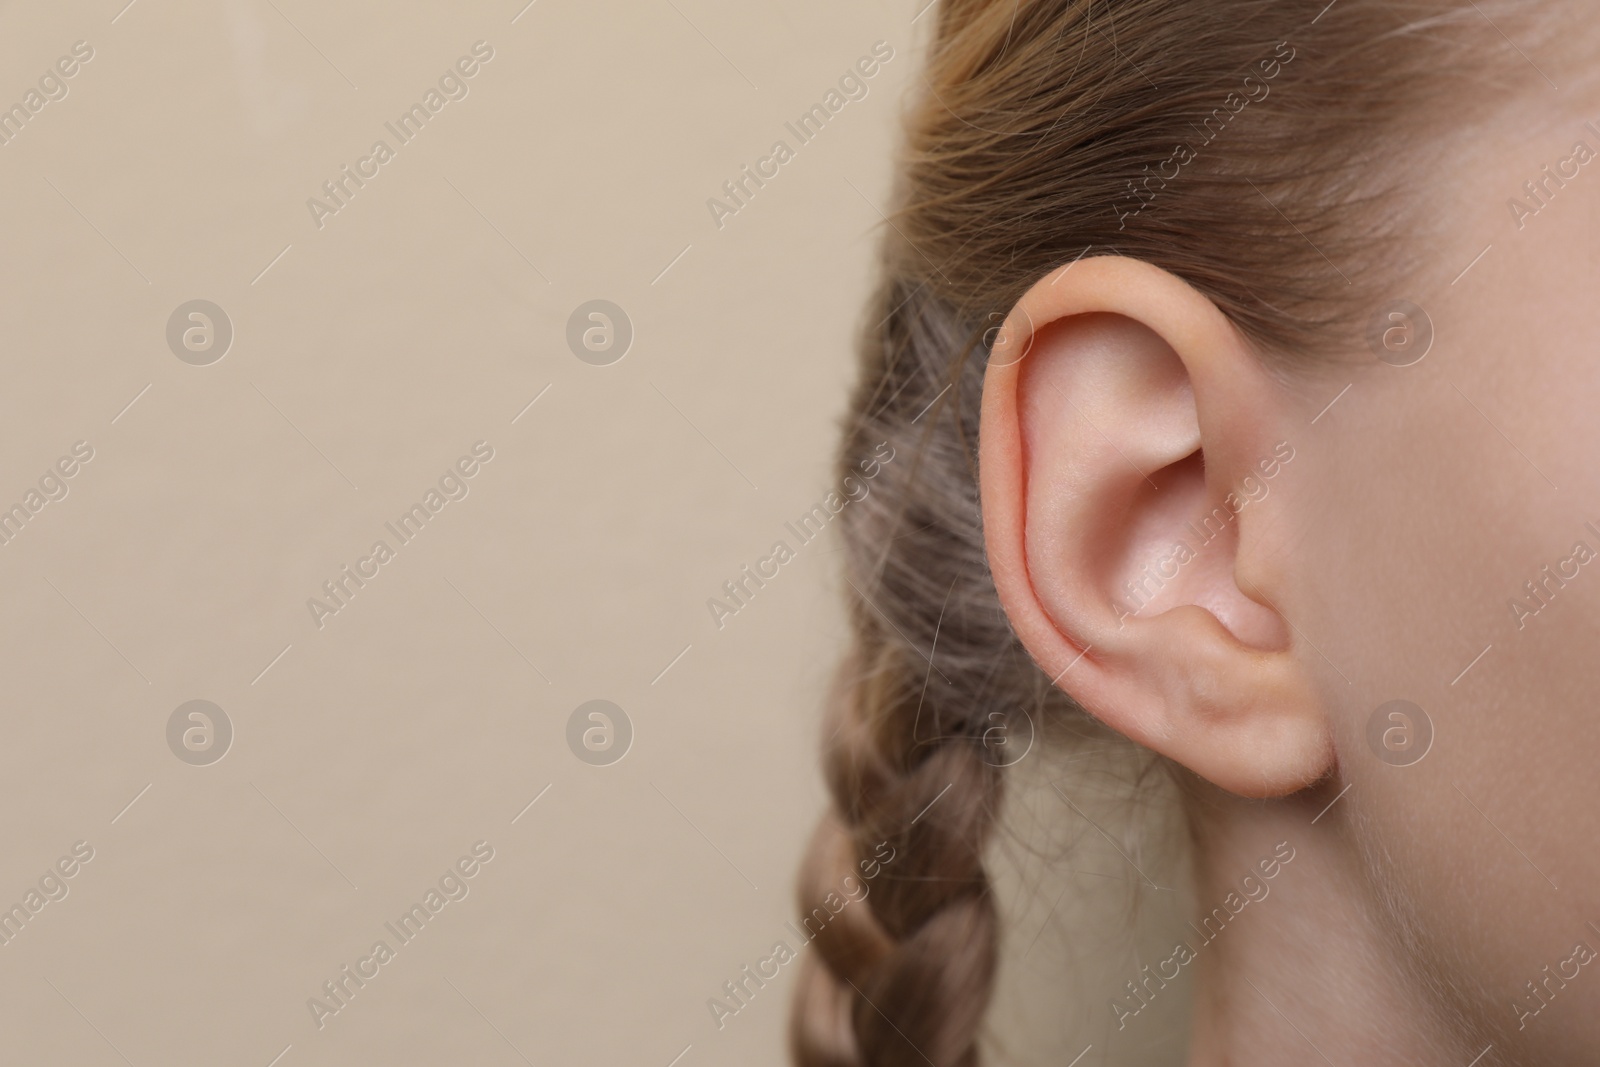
1420 507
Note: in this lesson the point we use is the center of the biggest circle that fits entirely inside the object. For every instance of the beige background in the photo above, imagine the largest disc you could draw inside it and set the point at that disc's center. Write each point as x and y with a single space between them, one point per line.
371 353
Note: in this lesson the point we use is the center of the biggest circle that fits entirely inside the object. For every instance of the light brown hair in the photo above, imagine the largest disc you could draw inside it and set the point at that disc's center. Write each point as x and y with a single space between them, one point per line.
1264 151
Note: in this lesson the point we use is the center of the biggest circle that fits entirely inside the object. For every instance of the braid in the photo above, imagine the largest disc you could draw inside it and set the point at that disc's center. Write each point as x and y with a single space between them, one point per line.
904 976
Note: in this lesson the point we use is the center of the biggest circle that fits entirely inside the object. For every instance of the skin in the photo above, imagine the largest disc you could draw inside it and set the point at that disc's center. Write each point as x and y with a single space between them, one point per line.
1120 406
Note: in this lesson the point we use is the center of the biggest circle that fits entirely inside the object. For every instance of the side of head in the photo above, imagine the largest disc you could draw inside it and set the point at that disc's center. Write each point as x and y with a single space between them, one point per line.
1136 251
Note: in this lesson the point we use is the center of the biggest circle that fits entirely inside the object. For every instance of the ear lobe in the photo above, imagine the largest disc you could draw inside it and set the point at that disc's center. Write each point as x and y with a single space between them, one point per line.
1126 433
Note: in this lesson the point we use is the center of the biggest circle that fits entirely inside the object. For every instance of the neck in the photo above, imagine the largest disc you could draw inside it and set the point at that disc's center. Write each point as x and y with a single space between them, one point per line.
1295 966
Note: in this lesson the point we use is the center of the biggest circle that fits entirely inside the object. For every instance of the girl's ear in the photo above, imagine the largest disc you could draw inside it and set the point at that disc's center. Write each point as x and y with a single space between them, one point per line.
1129 443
